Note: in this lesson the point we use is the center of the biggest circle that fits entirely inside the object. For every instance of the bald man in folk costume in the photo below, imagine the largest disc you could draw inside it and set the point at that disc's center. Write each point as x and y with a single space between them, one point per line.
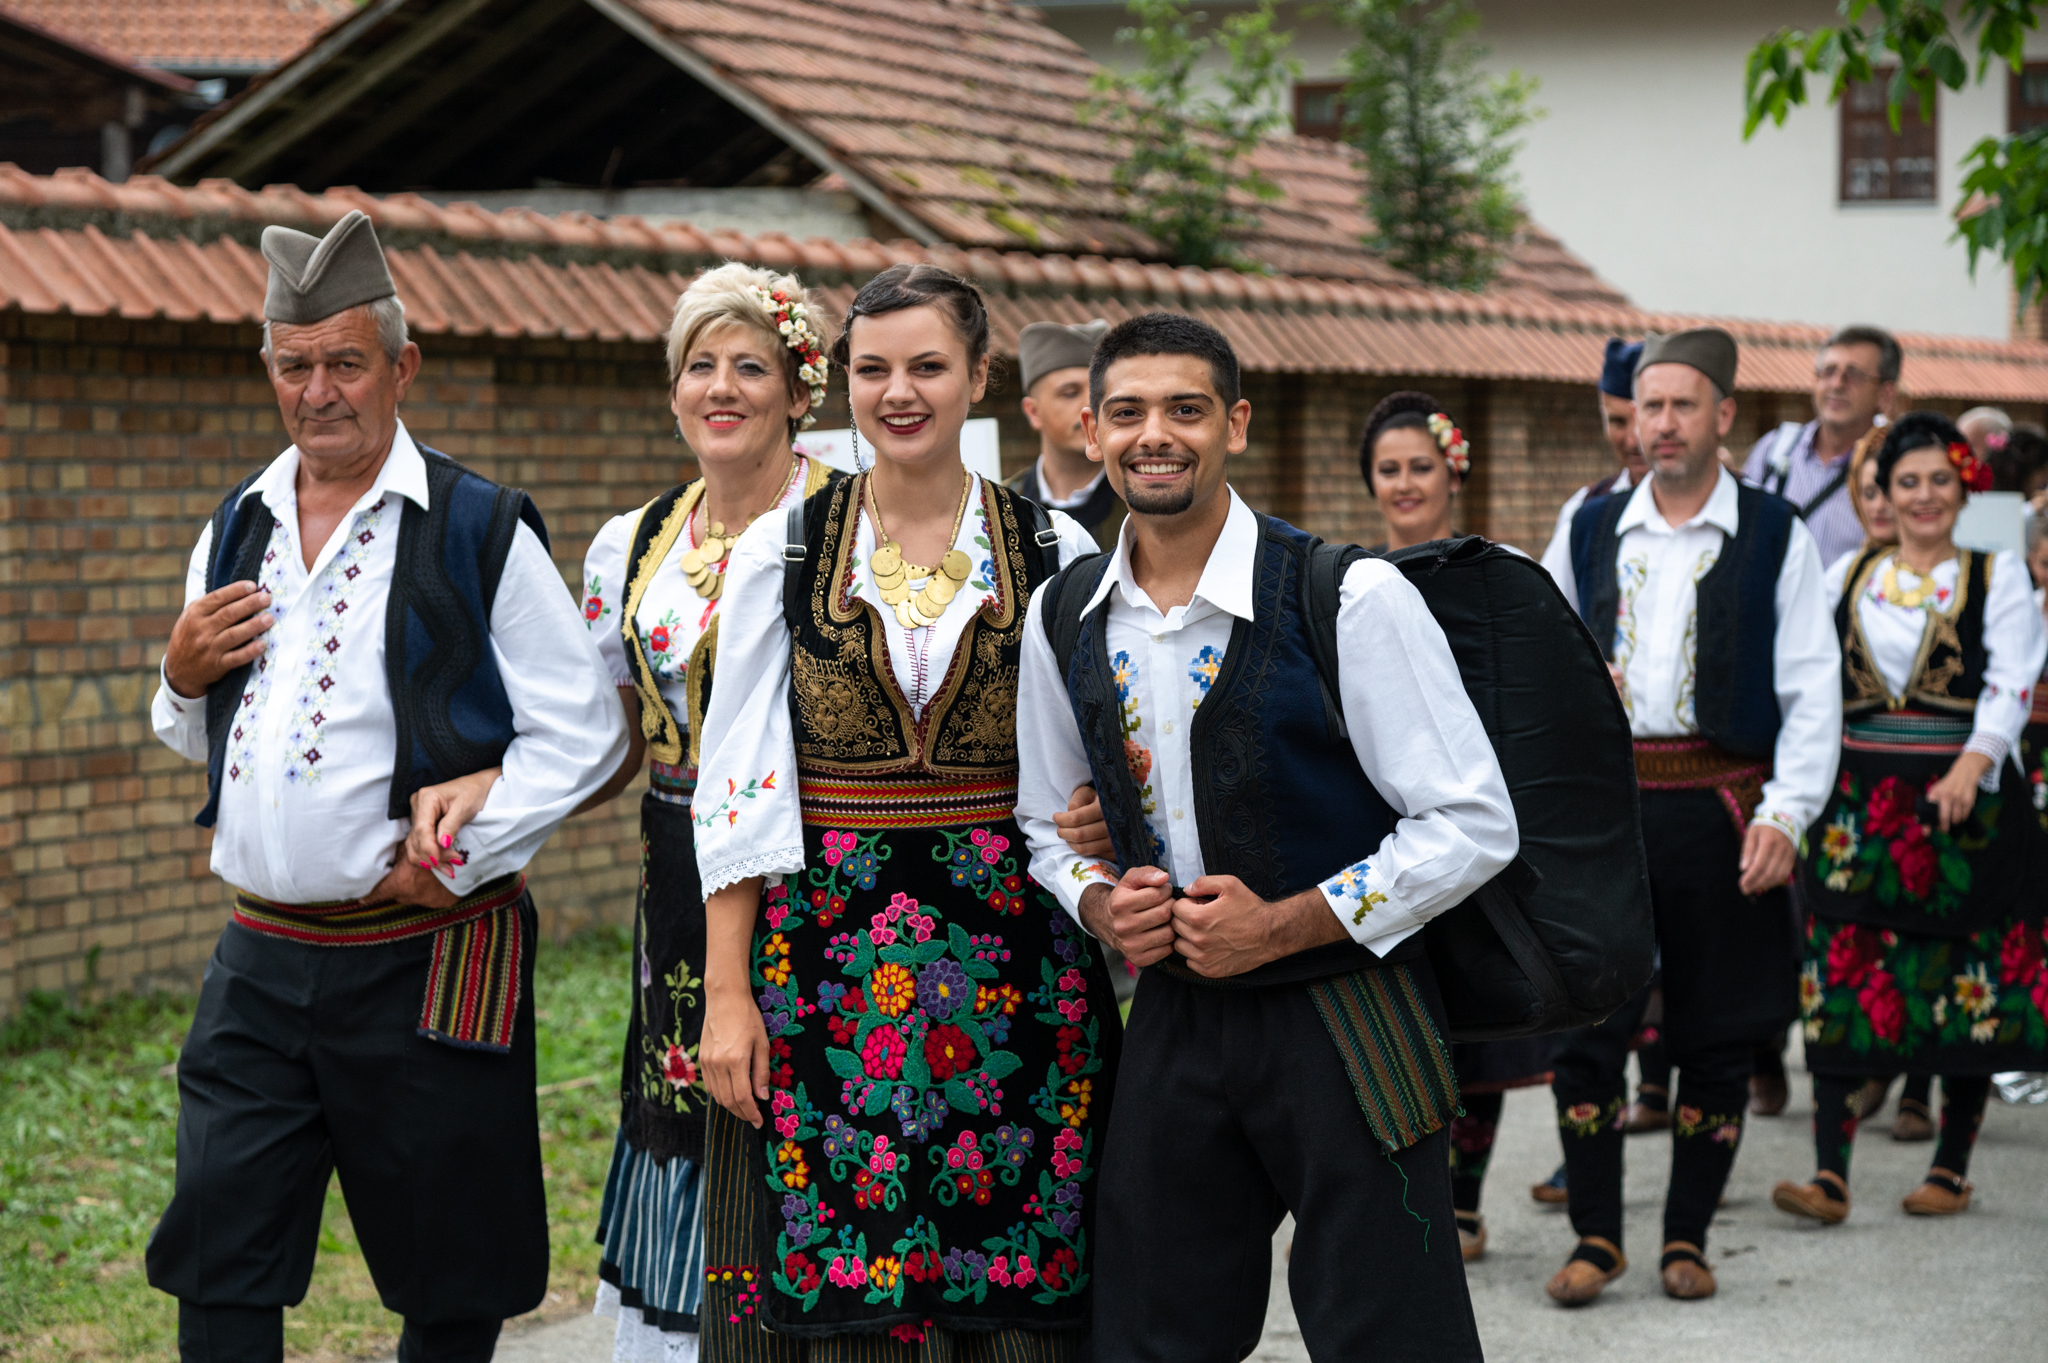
366 620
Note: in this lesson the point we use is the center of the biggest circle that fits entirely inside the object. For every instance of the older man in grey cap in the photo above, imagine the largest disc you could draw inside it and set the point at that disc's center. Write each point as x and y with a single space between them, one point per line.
367 620
1706 596
1054 359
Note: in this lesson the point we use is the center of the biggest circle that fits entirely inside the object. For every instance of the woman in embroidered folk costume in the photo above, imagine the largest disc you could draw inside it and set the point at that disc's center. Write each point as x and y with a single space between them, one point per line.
912 1045
1414 458
1924 945
746 371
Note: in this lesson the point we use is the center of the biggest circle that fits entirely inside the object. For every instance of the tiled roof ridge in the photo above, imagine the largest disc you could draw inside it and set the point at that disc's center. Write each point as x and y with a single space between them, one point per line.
82 219
122 62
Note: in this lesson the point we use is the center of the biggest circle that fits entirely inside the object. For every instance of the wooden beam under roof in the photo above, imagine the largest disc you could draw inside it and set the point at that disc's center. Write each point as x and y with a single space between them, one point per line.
302 122
448 81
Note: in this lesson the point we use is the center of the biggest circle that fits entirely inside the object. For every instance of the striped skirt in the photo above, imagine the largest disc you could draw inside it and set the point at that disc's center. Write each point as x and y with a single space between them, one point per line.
652 1230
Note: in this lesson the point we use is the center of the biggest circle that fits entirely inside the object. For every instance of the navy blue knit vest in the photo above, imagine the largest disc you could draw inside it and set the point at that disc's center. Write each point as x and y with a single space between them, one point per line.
453 715
1280 799
1736 696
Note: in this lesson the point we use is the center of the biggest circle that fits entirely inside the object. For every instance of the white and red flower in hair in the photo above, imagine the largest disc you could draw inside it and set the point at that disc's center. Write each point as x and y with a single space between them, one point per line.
1456 448
793 323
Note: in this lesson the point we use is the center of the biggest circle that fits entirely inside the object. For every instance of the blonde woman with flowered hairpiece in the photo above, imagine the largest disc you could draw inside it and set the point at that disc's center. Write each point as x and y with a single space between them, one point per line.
747 369
1924 943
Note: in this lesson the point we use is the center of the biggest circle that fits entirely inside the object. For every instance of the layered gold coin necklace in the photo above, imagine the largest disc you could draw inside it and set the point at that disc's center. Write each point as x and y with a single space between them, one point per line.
704 566
893 575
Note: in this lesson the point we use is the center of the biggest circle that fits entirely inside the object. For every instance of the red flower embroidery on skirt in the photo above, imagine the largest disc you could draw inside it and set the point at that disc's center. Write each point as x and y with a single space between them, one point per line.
1853 953
2019 956
1890 808
1884 1006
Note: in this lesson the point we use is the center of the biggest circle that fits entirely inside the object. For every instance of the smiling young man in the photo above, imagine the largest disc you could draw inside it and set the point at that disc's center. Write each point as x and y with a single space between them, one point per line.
1279 845
1706 595
365 619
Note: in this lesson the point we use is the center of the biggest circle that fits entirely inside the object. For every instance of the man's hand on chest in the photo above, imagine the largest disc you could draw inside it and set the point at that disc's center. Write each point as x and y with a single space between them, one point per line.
1221 928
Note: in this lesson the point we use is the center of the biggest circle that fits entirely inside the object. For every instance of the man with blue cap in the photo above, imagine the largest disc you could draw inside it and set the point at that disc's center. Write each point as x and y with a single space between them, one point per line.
1618 421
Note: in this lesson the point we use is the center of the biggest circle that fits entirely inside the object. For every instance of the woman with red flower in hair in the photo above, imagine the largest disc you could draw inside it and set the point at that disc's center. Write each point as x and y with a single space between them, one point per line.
1923 946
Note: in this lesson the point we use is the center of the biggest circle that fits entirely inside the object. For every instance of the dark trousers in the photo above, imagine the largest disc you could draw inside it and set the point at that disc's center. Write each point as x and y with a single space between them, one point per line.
303 1061
1728 977
1233 1109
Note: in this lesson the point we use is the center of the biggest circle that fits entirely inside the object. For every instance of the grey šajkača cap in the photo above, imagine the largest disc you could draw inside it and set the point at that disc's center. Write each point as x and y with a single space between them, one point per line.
1044 347
1707 349
312 278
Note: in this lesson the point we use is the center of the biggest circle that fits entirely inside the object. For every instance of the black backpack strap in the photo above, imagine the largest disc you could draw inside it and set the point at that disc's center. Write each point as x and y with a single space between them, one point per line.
1068 591
795 545
1327 564
1832 486
1041 540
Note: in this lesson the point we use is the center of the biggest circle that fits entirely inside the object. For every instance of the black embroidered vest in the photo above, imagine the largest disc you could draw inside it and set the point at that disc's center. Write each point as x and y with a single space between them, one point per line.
848 713
1949 673
1280 799
453 715
1734 654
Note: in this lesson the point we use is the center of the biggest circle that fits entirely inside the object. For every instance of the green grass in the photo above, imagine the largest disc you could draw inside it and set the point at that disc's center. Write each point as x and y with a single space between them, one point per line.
88 1127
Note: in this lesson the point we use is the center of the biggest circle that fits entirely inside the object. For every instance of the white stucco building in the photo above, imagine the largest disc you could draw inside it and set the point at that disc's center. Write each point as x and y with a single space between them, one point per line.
1640 167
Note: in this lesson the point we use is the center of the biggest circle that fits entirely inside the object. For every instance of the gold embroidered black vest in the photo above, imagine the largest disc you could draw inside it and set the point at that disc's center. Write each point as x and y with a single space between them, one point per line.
848 713
656 528
1948 674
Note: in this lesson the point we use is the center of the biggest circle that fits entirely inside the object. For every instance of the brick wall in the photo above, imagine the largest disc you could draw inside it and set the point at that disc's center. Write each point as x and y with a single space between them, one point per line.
120 436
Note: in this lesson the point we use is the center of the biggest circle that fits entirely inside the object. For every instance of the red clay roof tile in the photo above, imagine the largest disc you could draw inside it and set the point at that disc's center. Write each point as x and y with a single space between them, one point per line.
190 35
74 243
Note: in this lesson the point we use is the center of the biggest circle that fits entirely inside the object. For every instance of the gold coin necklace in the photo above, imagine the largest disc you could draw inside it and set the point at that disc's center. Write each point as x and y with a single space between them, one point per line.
704 565
1888 588
893 574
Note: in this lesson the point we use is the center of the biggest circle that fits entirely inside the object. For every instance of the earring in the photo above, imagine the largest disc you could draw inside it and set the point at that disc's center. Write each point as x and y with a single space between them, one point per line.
858 466
678 432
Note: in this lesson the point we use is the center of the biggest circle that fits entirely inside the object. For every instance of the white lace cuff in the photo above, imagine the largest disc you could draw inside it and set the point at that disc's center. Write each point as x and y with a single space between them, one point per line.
782 861
1993 746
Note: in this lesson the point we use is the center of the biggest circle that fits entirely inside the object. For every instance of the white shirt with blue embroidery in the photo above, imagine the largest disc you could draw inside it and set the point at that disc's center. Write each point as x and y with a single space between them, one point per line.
1413 729
306 781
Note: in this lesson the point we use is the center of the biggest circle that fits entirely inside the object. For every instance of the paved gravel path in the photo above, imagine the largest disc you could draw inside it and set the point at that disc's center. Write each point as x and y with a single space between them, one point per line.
1880 1288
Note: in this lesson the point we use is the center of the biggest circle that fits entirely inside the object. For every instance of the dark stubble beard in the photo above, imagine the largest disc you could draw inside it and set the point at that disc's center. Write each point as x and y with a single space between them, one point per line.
1168 501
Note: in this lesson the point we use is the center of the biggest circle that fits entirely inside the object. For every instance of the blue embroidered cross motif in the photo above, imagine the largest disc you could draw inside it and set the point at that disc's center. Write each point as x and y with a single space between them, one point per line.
1203 670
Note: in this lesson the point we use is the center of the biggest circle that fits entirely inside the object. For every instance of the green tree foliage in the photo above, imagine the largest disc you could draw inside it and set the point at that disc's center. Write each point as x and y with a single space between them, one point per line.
1187 181
1437 137
2002 206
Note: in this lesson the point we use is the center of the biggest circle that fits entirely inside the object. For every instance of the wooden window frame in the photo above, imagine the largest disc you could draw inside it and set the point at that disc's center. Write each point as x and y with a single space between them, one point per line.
1877 165
1310 89
2022 114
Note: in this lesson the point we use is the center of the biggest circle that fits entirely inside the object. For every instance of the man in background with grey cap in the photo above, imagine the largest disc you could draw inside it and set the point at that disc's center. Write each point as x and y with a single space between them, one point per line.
1054 359
365 621
1706 596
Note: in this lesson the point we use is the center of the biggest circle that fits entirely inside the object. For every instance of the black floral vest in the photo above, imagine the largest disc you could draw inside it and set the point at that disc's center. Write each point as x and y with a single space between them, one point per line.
1949 673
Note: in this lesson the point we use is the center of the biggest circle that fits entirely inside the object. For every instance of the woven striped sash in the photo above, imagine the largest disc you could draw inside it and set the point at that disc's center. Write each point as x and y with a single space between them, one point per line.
1399 1067
905 800
1697 764
473 979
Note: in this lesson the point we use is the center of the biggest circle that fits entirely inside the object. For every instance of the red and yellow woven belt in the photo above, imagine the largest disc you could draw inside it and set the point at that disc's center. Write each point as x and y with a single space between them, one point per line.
473 978
905 801
1698 764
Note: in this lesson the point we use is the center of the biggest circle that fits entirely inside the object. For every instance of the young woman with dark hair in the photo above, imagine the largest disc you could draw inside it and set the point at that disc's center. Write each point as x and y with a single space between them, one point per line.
1924 945
912 1044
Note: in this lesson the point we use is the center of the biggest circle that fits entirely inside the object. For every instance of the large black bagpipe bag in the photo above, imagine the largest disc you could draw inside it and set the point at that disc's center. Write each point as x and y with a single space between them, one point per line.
1564 936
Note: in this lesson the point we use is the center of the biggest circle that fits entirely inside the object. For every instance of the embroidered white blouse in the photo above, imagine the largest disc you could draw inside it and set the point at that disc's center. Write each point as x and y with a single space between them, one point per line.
671 618
307 778
1412 726
749 820
1656 635
2015 641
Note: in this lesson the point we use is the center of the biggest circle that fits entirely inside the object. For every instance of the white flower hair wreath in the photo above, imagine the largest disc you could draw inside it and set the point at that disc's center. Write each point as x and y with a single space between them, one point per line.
793 322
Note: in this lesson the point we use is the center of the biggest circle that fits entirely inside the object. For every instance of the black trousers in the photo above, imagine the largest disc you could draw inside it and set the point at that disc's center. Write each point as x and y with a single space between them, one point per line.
303 1061
1232 1109
1728 978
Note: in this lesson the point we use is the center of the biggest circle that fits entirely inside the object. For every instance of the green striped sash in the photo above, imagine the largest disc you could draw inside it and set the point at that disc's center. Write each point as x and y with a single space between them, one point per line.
1399 1067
